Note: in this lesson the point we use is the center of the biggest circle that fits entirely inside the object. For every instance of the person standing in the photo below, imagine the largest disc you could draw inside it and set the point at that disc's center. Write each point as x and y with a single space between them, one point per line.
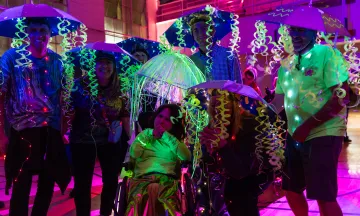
310 85
224 66
31 102
100 129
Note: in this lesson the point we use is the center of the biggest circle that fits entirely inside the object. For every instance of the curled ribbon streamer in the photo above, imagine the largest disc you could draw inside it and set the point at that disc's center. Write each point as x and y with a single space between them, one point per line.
209 40
258 45
127 79
219 120
286 40
21 42
269 140
235 32
350 55
164 45
196 120
277 49
67 65
179 33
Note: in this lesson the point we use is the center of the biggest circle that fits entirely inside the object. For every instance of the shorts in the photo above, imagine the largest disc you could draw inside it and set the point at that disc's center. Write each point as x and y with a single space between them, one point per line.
312 165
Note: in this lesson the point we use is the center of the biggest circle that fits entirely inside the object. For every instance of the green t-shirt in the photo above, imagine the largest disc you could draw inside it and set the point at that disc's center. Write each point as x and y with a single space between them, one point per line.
308 89
155 155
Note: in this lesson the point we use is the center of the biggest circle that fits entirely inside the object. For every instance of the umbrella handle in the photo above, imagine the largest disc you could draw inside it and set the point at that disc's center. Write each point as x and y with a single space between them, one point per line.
310 3
335 39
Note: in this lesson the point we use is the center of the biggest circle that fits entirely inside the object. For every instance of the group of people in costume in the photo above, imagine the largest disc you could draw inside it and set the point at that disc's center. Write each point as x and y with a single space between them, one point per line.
39 104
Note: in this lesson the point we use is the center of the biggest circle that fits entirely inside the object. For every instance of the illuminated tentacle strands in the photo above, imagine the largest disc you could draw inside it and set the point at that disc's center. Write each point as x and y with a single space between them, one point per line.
166 77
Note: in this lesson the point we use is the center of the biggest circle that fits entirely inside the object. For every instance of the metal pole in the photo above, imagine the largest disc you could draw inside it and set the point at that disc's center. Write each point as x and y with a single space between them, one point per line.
310 3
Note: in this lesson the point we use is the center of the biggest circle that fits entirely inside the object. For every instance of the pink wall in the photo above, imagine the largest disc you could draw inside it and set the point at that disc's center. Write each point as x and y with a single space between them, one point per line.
151 8
91 13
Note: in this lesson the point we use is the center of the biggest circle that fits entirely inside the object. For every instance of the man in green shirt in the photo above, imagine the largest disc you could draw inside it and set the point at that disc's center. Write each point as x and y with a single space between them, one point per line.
312 86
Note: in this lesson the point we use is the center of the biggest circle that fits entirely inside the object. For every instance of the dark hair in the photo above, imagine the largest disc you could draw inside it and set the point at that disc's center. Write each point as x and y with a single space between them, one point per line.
199 17
177 129
139 49
144 120
36 20
105 55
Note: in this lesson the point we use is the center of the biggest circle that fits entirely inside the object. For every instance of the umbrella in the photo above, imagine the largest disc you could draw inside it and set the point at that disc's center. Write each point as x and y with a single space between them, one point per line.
109 48
152 47
174 69
306 17
233 87
222 20
9 17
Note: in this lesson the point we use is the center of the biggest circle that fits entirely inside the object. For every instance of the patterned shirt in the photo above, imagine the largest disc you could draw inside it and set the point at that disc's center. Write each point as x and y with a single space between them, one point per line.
225 67
308 88
87 129
32 93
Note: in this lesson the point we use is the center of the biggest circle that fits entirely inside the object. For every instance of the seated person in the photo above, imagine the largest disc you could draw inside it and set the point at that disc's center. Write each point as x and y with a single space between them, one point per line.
238 158
153 159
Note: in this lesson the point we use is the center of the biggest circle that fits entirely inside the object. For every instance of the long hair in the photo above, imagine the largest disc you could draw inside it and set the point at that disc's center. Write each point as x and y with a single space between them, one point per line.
177 129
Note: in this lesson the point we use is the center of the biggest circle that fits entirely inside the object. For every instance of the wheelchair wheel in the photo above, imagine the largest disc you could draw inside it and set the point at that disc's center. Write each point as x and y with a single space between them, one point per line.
190 195
120 203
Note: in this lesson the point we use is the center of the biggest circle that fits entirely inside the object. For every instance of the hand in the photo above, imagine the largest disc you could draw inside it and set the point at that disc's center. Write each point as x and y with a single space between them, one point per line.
4 141
207 136
158 132
301 133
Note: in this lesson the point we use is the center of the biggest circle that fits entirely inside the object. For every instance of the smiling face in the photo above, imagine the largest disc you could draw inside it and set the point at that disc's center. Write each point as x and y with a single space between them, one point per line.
199 30
302 38
39 35
163 120
104 68
141 57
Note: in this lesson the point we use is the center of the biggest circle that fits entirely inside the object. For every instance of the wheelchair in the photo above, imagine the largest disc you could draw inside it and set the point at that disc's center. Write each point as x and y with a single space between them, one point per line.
186 193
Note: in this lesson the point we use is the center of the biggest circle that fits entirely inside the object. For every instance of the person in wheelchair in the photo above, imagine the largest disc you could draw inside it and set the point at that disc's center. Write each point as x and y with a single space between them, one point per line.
237 156
154 156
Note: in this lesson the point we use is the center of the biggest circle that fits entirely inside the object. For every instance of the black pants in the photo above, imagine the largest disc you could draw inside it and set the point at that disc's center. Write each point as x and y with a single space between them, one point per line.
83 160
20 195
17 153
241 196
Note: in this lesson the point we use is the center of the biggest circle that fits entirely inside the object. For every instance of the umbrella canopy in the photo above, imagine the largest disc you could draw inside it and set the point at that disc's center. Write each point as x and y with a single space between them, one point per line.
9 17
151 47
233 87
108 48
174 69
221 19
306 17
